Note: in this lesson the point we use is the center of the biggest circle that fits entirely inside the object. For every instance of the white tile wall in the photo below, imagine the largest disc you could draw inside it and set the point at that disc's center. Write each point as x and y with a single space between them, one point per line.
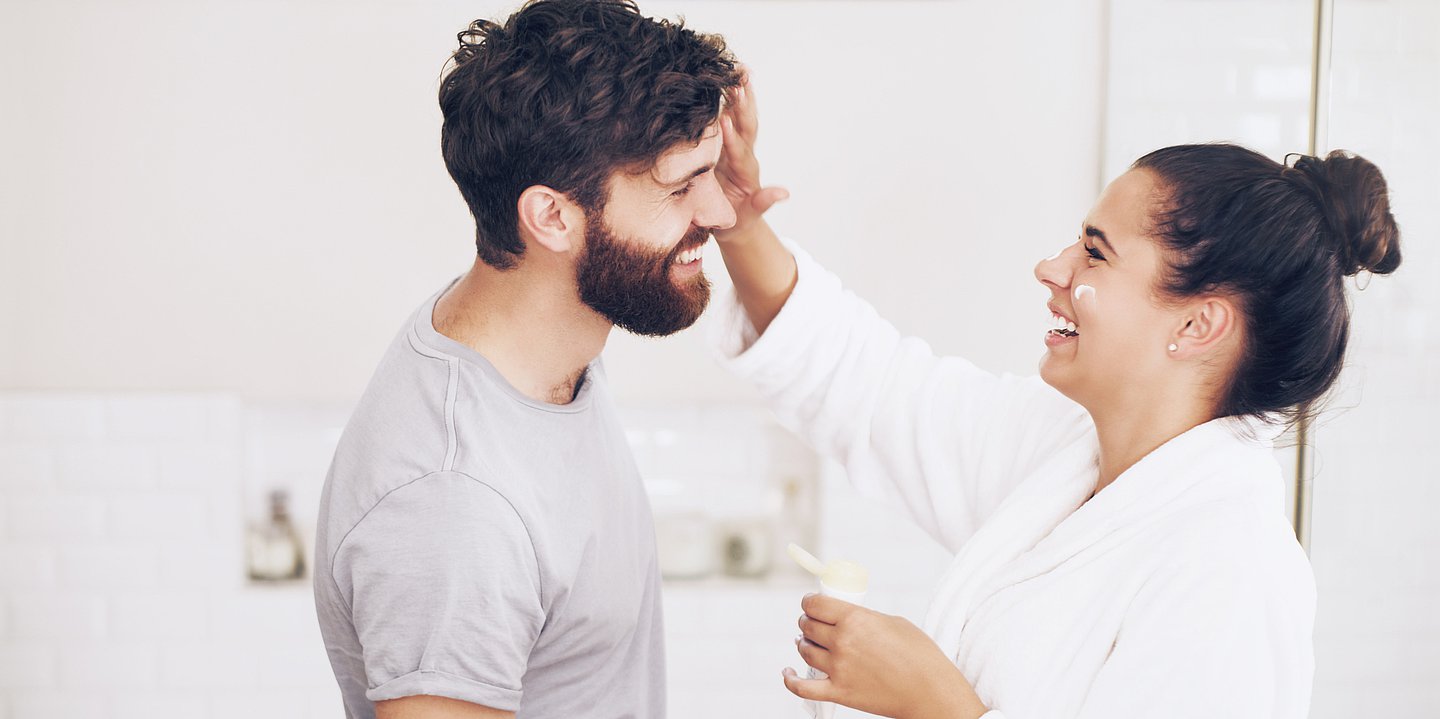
121 559
121 568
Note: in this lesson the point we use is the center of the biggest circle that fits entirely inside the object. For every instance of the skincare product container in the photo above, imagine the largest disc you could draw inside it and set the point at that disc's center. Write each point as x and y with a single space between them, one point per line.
843 580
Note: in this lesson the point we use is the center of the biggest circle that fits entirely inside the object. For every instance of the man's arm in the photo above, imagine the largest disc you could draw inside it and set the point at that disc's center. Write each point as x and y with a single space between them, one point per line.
428 707
444 591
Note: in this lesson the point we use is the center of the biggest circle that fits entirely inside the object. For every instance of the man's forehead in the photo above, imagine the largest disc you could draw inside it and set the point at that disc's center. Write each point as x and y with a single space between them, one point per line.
677 163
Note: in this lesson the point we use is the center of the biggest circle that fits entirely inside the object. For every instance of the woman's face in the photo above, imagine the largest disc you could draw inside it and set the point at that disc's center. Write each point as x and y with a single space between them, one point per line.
1102 288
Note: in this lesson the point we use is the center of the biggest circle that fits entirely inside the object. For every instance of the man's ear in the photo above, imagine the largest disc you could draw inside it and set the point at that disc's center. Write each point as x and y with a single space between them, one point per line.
550 218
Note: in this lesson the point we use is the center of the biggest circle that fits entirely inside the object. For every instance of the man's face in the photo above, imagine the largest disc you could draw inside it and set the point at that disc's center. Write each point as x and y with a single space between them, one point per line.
641 267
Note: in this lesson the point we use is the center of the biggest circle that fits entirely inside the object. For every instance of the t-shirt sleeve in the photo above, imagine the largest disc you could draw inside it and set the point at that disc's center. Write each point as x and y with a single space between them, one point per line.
444 592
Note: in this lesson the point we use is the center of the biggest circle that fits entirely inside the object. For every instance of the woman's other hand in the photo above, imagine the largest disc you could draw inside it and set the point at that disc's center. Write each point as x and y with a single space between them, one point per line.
739 170
877 663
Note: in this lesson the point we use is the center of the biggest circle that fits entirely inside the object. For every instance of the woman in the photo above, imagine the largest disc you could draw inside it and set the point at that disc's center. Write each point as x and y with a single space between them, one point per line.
1121 548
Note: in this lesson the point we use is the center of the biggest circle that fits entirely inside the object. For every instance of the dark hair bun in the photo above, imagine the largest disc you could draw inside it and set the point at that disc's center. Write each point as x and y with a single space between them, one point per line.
1356 200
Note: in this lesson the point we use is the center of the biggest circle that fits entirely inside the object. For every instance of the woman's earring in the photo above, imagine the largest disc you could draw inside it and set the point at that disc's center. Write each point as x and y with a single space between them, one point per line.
1173 347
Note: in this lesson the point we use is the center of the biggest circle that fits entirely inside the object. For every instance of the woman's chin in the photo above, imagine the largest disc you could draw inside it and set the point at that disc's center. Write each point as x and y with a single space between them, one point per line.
1055 374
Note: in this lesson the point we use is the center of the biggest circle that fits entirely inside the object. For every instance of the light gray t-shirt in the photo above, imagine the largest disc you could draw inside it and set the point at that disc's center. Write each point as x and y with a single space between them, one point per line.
476 544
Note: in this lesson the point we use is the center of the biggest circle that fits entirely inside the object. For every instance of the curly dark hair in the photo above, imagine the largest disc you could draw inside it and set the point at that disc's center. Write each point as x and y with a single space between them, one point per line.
564 94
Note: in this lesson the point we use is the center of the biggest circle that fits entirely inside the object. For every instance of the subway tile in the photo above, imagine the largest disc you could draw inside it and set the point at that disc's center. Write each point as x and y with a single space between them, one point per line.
132 565
160 704
62 518
209 666
109 666
158 417
272 704
47 417
214 465
157 516
325 702
28 665
296 664
27 565
25 466
263 614
51 616
58 704
159 615
113 467
216 565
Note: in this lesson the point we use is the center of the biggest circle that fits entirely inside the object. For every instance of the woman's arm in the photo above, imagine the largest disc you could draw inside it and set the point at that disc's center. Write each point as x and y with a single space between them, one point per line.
939 437
762 269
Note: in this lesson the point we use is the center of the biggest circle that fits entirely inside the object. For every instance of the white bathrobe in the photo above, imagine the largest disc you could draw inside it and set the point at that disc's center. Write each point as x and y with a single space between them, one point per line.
1177 591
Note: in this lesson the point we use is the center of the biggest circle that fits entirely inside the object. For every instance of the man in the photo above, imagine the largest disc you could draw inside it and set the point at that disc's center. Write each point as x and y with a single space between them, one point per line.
484 547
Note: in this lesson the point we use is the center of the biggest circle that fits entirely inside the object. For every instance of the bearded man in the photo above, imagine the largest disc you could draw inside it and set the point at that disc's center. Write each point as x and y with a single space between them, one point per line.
484 545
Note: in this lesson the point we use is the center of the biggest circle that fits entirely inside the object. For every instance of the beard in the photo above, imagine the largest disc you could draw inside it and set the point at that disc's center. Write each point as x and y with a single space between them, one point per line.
631 287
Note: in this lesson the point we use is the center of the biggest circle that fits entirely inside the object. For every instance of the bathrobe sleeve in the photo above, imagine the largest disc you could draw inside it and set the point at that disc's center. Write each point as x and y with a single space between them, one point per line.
1225 635
937 436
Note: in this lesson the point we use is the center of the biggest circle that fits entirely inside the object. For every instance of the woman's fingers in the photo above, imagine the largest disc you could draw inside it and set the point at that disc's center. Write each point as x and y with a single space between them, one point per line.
826 609
817 631
814 654
738 161
763 200
747 115
740 172
817 689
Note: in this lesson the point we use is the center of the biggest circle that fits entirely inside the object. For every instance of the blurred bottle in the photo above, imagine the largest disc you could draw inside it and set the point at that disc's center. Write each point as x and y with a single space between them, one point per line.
274 550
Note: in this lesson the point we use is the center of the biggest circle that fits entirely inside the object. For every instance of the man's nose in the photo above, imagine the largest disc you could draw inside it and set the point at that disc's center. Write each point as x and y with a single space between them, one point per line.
715 211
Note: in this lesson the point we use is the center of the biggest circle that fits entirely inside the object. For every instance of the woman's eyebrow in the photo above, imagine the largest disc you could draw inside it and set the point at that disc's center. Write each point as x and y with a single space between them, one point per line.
1093 231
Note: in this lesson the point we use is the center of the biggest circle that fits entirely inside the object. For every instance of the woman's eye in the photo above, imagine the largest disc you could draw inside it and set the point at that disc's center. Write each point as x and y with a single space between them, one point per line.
1094 253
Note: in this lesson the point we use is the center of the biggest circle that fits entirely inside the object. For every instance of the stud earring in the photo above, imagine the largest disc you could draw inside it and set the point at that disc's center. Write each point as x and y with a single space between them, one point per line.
1173 347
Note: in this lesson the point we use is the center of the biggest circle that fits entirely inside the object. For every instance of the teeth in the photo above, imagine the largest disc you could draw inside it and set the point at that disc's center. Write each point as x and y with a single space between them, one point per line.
1062 325
690 255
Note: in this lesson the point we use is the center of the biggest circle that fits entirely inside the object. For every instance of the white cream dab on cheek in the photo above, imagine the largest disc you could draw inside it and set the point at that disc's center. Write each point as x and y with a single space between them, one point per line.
1084 291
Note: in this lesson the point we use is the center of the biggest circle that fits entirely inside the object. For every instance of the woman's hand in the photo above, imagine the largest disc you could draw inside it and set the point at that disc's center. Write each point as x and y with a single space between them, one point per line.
878 663
763 270
739 170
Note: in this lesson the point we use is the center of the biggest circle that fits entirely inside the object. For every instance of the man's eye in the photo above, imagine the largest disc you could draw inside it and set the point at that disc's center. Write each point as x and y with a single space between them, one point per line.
1094 253
683 191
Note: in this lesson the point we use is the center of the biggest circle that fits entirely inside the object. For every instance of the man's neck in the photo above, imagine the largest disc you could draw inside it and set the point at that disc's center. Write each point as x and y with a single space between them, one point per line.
529 323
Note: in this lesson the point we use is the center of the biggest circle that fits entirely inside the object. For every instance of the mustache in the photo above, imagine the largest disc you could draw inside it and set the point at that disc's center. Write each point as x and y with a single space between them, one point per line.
694 238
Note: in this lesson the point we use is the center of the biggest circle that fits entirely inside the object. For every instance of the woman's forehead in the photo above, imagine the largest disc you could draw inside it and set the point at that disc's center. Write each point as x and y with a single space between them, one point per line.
1123 211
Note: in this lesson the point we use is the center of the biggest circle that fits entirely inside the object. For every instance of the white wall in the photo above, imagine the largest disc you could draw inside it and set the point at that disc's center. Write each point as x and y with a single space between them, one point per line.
249 196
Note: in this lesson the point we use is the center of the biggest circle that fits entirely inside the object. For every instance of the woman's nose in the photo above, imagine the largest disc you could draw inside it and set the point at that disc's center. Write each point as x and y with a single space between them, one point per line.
1054 270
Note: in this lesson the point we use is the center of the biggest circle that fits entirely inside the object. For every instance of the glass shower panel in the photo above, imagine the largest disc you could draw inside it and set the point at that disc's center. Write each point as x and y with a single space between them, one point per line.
1374 537
1205 70
1182 71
